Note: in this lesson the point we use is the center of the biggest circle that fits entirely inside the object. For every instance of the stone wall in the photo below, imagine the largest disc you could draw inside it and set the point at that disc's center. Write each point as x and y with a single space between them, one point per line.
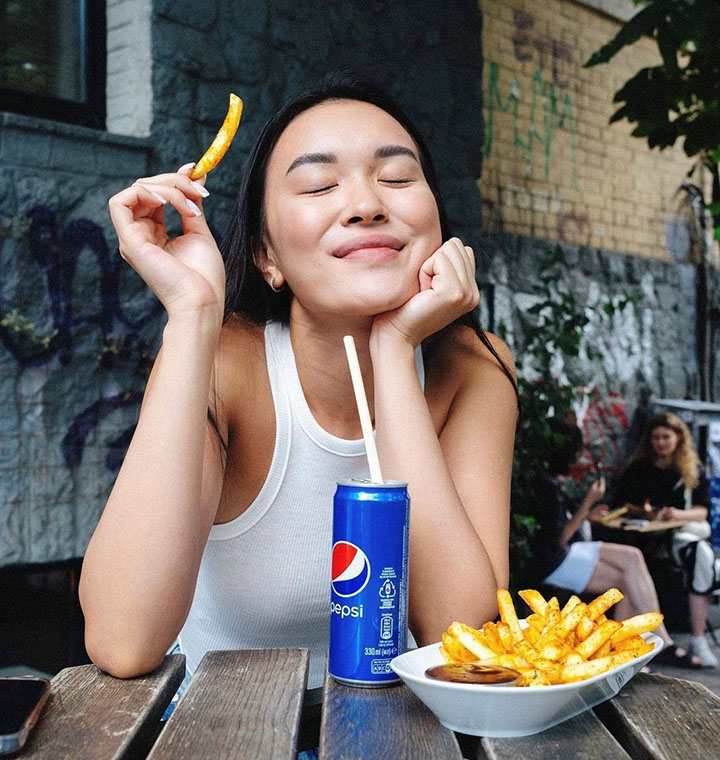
647 349
427 53
77 331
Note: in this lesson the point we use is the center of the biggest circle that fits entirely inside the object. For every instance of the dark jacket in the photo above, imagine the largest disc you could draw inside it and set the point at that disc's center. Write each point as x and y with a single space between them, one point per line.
643 480
550 509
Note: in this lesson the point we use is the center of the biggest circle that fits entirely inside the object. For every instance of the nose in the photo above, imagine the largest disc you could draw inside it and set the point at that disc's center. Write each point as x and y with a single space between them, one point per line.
364 205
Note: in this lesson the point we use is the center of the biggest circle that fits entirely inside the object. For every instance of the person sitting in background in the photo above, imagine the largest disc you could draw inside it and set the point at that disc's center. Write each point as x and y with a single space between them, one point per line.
562 558
664 481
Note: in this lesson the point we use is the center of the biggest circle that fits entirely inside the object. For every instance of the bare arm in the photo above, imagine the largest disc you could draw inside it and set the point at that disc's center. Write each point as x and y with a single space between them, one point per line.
459 484
696 513
141 565
459 480
595 492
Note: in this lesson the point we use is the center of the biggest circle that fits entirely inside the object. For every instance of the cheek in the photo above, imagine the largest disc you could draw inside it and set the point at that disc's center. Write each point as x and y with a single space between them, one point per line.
422 212
290 241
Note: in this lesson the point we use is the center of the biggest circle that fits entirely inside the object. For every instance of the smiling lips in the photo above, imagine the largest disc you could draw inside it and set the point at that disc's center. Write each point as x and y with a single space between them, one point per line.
370 248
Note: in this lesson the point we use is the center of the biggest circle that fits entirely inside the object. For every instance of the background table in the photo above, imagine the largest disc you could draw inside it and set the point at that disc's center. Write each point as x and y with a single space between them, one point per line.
248 704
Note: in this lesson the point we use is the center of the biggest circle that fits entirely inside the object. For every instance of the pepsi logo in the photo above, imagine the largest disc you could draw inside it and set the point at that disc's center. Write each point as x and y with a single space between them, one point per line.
350 569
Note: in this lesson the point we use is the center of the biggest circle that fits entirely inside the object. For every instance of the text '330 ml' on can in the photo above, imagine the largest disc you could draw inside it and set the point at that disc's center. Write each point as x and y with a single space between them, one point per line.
368 596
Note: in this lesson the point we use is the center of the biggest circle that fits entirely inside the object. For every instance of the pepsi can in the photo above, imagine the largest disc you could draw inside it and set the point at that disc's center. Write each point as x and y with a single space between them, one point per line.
368 597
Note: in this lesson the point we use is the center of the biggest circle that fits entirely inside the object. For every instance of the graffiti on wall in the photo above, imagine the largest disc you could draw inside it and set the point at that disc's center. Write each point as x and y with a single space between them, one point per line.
604 421
549 112
120 345
550 105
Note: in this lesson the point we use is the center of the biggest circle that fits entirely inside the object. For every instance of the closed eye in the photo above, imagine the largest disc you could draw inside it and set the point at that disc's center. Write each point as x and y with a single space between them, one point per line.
319 190
396 181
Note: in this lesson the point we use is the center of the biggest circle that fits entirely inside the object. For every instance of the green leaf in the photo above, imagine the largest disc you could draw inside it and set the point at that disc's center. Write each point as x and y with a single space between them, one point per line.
716 233
640 25
668 44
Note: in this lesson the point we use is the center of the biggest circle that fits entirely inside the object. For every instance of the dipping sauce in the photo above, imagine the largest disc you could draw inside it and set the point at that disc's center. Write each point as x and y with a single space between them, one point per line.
471 672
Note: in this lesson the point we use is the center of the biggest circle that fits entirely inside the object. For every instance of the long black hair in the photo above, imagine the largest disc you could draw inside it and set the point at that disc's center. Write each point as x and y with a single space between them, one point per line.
564 447
246 292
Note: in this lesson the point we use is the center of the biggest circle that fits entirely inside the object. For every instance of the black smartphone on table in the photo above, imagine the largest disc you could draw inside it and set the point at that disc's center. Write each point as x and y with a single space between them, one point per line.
21 702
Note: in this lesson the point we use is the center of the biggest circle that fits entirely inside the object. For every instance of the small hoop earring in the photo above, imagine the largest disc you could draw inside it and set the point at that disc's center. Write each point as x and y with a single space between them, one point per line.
272 285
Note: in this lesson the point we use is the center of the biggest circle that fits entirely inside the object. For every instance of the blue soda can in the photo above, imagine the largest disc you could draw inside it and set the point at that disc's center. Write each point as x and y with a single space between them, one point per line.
368 597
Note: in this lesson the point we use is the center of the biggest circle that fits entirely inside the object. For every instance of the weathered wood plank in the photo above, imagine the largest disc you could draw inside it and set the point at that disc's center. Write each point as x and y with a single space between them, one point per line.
239 704
91 715
582 738
392 722
664 718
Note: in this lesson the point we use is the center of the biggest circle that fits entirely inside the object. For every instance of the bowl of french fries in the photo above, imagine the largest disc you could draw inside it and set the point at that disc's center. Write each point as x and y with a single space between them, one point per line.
568 659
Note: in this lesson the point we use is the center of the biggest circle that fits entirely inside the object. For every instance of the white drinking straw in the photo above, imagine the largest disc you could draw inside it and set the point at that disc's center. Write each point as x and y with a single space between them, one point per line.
363 411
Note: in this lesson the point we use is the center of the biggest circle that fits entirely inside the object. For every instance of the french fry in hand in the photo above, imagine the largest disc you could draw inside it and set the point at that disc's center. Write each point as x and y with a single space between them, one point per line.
555 646
219 146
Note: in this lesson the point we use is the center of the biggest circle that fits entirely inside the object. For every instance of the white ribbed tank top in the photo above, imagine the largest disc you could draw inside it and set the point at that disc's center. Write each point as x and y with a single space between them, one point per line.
264 579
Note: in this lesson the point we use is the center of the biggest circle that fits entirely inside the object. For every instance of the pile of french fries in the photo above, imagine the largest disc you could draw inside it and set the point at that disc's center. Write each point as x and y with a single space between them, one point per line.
557 645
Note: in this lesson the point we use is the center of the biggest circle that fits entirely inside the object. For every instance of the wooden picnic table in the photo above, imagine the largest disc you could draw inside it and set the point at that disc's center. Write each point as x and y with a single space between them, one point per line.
248 704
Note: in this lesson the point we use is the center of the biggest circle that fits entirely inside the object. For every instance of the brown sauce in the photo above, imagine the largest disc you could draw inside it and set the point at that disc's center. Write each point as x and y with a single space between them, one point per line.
471 672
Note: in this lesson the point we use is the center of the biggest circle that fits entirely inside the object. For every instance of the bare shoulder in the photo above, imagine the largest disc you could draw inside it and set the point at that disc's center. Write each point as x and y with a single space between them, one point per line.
241 345
462 357
240 365
467 348
461 366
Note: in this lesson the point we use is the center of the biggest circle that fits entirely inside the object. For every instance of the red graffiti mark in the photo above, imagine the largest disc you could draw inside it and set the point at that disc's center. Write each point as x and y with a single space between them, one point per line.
604 425
581 222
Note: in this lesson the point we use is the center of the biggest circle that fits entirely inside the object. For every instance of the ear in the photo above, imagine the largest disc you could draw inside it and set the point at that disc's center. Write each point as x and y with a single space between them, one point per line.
265 262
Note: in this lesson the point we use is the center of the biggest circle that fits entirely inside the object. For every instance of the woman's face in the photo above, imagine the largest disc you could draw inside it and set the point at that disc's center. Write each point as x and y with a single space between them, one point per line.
349 215
664 441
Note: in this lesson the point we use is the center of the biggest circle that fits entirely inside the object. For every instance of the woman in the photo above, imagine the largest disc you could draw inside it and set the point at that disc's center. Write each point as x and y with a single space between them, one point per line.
562 558
664 481
220 532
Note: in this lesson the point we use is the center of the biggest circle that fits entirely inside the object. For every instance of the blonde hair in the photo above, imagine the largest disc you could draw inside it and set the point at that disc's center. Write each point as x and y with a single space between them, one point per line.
685 459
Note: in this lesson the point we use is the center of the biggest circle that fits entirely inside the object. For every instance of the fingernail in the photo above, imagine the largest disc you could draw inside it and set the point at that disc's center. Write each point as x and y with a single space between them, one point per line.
159 197
193 207
200 189
185 167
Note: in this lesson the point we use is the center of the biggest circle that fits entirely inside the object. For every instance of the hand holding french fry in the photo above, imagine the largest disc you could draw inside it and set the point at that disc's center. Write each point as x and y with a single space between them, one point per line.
556 646
185 272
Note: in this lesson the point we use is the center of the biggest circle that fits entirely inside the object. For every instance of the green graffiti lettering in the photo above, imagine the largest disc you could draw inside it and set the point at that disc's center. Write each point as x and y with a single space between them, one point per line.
555 114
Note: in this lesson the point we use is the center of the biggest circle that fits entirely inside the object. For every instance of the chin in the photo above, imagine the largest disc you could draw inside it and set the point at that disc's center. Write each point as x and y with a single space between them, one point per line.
375 301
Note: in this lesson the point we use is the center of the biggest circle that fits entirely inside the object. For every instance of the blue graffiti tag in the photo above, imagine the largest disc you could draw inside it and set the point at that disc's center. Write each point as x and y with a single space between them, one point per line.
56 252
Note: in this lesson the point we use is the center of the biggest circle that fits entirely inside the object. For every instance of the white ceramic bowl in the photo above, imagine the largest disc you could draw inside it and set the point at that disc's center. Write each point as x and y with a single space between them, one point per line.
509 711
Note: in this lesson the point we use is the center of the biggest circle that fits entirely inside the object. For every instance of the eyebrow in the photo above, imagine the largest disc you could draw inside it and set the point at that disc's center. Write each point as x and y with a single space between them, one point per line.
312 158
386 151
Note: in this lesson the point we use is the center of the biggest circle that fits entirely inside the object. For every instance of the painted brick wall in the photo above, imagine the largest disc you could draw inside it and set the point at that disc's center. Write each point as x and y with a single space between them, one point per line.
554 168
78 329
129 93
